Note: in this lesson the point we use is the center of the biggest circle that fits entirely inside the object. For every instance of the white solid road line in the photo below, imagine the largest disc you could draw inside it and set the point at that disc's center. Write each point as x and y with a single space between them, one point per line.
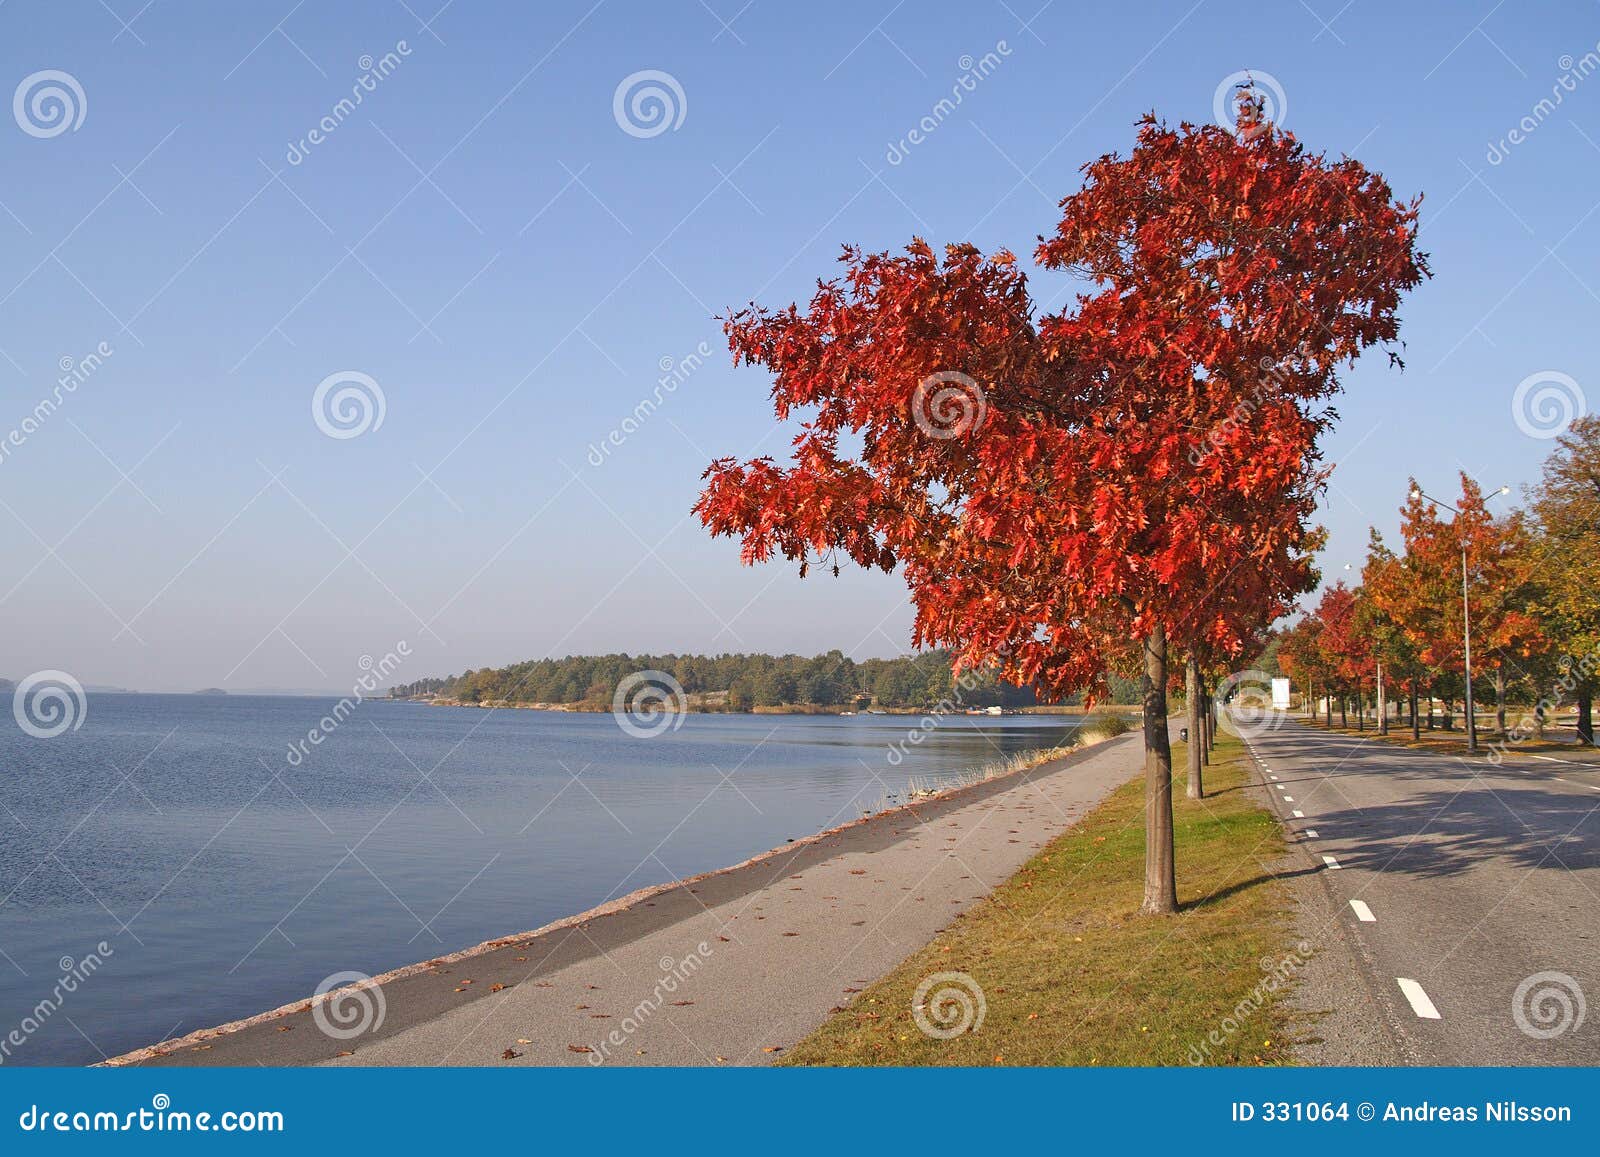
1332 863
1363 913
1420 1004
1298 814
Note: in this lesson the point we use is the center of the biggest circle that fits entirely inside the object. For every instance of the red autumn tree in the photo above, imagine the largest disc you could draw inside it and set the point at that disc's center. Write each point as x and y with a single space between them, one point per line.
1142 465
1346 652
1302 659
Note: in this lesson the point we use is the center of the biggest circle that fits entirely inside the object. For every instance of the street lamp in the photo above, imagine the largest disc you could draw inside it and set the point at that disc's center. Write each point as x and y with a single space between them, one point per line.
1466 617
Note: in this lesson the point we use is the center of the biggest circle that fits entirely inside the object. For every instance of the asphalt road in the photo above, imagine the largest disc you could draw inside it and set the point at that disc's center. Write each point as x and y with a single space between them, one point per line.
1471 892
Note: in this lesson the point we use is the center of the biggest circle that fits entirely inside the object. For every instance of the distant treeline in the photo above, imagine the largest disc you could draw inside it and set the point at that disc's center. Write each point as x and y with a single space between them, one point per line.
740 682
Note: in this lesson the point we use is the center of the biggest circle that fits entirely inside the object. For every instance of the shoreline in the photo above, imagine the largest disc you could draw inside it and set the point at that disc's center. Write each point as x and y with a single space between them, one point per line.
191 1047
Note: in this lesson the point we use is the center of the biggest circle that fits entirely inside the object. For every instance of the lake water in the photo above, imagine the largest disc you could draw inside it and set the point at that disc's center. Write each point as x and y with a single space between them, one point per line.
226 880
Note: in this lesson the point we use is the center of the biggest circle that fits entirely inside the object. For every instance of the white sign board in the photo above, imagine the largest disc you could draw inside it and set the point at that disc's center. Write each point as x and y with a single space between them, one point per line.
1280 694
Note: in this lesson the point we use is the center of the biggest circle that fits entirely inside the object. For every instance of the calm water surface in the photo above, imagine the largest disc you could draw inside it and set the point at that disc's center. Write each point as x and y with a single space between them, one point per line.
227 881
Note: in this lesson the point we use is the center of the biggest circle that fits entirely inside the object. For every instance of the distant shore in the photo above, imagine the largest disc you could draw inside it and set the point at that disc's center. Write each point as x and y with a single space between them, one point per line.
590 707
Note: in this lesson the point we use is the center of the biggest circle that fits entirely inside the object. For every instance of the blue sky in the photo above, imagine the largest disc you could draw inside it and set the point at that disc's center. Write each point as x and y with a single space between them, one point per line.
482 238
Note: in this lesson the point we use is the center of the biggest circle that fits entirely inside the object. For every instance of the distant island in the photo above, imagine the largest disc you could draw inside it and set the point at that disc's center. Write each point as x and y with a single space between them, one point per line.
211 691
828 683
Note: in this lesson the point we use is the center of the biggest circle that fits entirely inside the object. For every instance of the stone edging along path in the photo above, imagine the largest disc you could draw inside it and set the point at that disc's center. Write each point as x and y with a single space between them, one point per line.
729 967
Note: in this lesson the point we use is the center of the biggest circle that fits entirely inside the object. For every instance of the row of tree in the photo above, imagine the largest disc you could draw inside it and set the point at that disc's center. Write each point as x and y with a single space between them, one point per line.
1527 581
748 681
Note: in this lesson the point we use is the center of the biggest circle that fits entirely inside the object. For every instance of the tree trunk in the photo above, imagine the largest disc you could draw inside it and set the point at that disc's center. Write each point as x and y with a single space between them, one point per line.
1327 705
1416 724
1160 878
1383 705
1197 726
1586 715
1500 699
1208 725
1344 718
1361 709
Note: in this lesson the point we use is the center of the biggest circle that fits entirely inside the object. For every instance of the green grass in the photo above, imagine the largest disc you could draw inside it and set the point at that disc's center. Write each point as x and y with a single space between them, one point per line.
1071 975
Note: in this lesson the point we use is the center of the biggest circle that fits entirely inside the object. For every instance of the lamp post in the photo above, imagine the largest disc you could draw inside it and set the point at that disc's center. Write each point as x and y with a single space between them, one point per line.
1466 619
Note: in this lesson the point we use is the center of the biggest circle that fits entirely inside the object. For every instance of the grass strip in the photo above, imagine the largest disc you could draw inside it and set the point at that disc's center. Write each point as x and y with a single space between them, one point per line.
1065 972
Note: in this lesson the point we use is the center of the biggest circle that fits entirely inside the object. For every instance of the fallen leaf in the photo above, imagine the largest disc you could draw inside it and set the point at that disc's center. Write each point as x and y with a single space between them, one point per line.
510 1055
579 1049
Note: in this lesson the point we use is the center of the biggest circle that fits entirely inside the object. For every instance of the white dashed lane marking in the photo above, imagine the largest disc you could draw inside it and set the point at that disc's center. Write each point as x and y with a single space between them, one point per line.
1332 863
1420 1004
1363 913
1298 814
1288 799
1312 834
